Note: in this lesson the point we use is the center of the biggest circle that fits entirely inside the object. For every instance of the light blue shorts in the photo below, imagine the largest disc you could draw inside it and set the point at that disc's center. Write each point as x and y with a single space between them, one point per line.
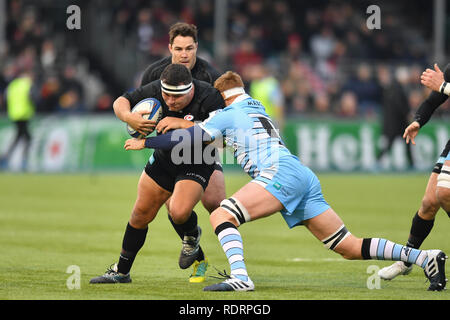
296 187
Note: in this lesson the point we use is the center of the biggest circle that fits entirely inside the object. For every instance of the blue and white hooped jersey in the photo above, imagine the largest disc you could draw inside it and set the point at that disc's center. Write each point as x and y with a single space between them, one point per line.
249 131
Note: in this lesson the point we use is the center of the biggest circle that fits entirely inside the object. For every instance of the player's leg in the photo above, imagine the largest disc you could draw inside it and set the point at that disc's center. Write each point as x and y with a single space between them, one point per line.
25 134
4 159
213 195
186 194
251 202
443 186
191 183
421 226
150 198
330 229
423 220
215 191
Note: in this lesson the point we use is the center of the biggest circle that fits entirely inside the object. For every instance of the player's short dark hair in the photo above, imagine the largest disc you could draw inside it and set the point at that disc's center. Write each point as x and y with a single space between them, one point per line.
184 30
176 74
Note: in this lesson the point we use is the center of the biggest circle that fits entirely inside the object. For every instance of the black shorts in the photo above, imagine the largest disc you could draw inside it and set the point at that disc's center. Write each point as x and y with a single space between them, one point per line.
167 174
438 166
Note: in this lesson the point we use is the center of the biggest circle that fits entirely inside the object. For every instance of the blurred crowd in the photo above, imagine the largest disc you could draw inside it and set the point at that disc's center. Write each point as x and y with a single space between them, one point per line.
324 58
37 45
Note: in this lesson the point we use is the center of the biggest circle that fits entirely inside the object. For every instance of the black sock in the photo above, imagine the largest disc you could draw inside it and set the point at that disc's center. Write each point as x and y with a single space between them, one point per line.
420 229
133 240
188 228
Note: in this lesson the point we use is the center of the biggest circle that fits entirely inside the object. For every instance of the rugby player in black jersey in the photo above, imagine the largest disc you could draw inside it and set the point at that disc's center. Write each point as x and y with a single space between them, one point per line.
183 45
437 192
181 98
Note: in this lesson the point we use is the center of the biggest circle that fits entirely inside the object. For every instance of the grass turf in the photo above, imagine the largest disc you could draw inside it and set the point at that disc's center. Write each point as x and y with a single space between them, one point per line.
50 222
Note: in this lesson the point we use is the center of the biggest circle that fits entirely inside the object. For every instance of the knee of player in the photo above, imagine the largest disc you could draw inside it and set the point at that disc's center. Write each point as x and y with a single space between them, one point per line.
211 202
141 217
220 216
344 243
430 204
179 213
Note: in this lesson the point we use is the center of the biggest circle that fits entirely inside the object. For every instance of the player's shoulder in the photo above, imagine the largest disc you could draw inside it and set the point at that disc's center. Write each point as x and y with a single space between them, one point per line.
205 71
154 70
203 63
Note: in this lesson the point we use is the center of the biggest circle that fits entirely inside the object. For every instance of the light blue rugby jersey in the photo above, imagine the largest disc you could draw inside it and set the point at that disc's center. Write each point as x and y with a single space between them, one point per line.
250 132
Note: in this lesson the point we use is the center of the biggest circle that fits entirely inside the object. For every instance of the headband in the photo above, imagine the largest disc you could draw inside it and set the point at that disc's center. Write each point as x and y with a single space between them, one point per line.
181 89
233 91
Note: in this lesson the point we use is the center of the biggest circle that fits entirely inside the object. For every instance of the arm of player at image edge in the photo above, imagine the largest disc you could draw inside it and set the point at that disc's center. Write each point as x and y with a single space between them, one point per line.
437 81
187 137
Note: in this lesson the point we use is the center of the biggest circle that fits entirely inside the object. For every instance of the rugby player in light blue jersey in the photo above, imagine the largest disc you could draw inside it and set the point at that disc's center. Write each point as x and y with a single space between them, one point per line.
281 183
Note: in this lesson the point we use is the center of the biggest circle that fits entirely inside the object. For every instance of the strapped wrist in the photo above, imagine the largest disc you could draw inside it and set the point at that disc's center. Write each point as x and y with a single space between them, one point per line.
445 88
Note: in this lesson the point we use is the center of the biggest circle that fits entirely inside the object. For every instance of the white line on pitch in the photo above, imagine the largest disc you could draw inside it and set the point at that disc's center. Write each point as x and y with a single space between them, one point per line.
314 259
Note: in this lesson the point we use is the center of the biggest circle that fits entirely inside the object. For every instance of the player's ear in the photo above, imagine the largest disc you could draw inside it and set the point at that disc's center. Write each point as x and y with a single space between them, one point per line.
170 47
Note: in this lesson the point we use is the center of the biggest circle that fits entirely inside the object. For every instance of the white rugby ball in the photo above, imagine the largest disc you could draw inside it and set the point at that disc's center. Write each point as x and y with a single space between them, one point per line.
153 107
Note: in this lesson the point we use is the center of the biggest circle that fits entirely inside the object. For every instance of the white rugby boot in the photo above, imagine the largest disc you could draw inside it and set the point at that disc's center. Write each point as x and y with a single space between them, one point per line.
396 269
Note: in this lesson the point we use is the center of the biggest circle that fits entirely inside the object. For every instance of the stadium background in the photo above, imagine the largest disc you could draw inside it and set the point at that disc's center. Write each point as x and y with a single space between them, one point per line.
326 62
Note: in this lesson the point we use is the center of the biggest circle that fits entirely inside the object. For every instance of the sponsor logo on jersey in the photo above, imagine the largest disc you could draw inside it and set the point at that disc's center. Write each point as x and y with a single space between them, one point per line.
189 117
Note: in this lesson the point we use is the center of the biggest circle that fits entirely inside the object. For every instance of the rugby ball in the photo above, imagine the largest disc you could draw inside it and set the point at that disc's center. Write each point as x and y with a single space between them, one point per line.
151 105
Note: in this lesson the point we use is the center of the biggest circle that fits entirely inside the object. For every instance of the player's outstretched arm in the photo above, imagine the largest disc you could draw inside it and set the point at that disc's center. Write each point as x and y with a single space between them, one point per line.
187 138
134 144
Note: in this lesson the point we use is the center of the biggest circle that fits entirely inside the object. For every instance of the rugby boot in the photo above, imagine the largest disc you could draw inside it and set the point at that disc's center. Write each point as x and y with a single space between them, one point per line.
190 250
112 276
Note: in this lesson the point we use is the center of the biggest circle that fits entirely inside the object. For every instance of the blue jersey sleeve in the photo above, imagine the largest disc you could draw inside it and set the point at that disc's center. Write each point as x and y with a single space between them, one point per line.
218 122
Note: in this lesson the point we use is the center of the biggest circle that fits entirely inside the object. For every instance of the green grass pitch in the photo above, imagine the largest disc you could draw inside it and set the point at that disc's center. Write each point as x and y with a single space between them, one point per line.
50 222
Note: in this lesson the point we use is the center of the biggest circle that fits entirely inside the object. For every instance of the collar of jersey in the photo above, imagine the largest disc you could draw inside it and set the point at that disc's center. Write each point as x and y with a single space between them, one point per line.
240 98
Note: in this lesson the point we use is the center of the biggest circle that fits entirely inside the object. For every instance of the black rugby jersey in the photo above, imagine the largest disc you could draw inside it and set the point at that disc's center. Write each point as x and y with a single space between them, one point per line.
202 70
206 99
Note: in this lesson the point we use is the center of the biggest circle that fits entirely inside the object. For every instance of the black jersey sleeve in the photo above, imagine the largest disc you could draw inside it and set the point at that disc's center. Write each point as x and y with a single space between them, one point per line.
432 102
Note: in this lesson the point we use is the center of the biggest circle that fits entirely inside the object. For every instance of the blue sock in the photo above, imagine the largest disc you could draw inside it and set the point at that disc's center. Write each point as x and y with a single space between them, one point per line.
231 242
382 249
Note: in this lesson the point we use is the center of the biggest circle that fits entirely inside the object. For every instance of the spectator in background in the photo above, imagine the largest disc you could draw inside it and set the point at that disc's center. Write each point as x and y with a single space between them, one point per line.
322 47
145 34
266 88
48 55
20 110
71 99
50 91
322 104
395 112
348 105
245 55
365 89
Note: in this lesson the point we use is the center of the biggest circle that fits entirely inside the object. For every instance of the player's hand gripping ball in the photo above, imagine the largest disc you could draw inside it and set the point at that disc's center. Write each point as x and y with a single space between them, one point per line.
153 107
